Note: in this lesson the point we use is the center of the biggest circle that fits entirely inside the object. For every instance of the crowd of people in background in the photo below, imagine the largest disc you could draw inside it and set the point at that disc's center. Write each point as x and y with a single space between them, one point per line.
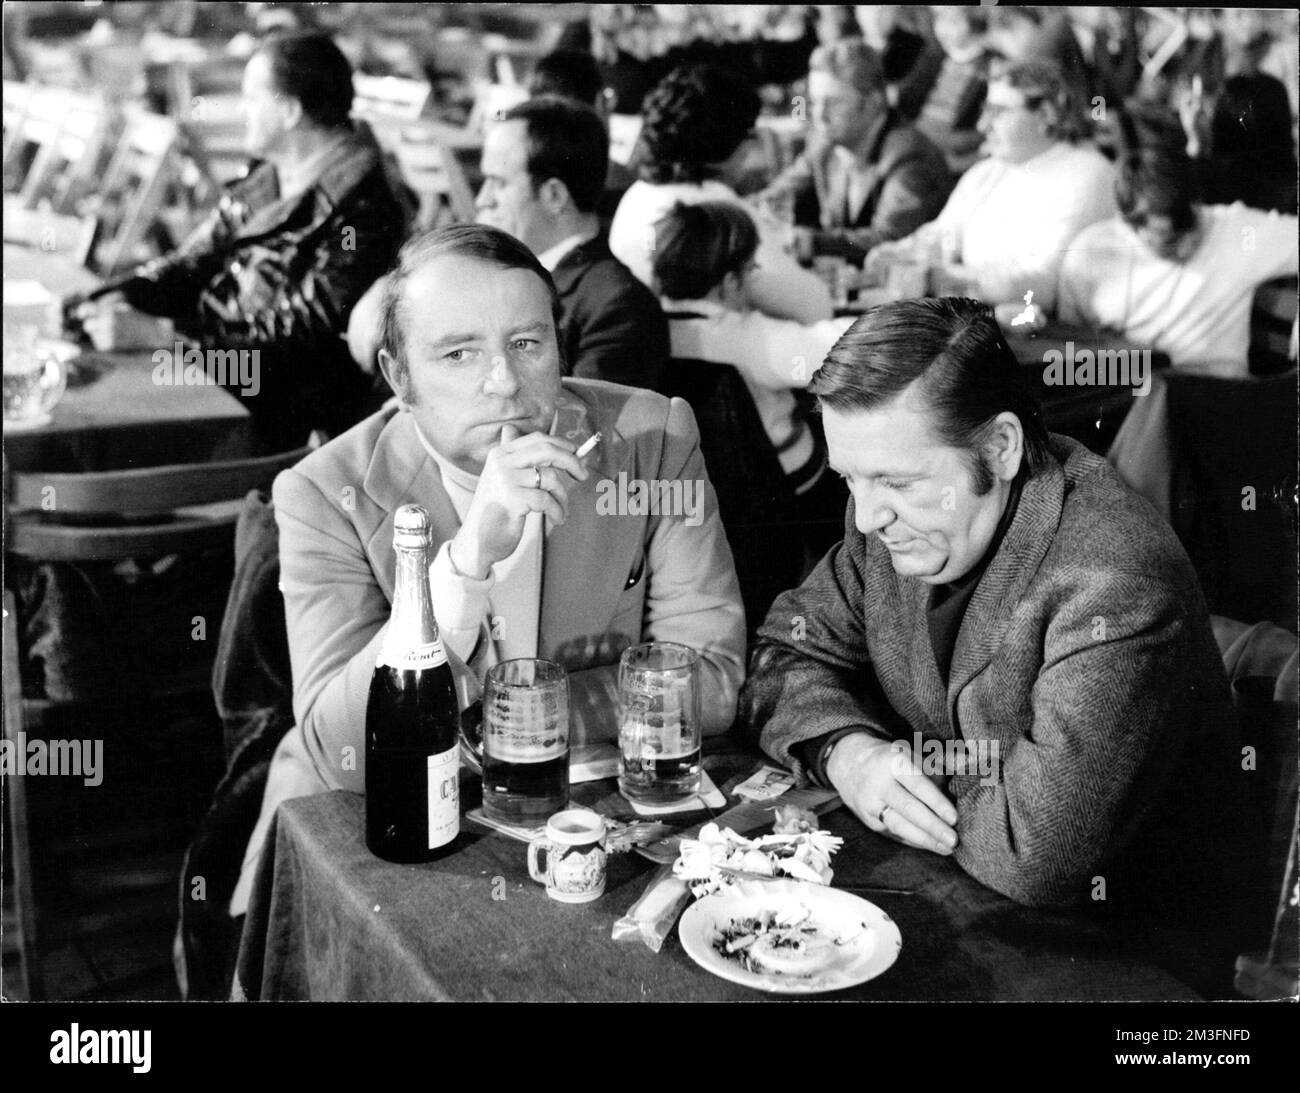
1133 170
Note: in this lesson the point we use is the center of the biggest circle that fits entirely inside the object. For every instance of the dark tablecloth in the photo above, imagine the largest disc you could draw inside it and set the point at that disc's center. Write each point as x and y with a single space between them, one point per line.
329 921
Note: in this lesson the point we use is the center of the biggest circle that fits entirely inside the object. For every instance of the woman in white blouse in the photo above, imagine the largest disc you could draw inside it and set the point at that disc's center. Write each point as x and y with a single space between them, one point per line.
1012 216
705 268
694 138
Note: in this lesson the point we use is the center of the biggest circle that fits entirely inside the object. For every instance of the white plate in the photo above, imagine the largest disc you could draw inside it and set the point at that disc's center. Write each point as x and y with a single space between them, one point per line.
872 939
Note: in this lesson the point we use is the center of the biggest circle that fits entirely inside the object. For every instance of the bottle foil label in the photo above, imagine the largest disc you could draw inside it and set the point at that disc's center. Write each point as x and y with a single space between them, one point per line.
423 656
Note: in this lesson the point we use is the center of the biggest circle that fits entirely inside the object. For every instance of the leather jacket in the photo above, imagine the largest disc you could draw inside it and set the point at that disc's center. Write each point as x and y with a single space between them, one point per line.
281 276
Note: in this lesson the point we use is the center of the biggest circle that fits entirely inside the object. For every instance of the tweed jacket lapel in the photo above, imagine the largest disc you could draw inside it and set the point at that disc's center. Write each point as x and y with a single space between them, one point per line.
1006 579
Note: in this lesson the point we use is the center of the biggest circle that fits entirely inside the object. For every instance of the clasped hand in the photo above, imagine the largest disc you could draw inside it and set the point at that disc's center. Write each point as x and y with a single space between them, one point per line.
522 474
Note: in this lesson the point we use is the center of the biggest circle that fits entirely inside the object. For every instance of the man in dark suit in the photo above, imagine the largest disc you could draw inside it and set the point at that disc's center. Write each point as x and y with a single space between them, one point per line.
543 172
1008 659
866 176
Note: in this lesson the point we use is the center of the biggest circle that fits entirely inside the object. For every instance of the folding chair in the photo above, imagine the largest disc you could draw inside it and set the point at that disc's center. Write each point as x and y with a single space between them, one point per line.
430 169
133 190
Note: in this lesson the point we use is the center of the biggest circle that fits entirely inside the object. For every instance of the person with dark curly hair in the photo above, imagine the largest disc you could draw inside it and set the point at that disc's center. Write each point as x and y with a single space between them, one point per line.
694 138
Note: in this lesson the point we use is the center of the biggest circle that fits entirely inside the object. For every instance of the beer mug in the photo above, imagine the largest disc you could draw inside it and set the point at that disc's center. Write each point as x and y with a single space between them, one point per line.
659 723
575 856
35 376
525 737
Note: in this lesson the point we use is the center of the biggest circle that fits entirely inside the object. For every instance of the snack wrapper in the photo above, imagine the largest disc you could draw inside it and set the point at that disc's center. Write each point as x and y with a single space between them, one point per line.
651 917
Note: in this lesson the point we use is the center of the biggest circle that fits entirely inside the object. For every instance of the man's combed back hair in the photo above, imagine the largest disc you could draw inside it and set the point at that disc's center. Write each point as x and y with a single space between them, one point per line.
308 66
967 372
697 116
477 241
696 246
569 73
568 141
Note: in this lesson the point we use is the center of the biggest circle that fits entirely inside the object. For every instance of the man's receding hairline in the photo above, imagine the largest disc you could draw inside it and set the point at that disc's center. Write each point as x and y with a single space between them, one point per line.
404 276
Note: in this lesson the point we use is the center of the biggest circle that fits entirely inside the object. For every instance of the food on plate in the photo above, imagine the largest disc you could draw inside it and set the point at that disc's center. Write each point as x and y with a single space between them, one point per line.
786 942
706 862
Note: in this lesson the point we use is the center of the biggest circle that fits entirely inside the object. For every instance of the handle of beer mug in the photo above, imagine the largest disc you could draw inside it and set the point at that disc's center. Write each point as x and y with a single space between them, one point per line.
469 697
54 381
535 870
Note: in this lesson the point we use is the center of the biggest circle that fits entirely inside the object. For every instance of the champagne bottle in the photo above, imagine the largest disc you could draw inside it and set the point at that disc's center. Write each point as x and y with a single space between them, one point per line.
412 750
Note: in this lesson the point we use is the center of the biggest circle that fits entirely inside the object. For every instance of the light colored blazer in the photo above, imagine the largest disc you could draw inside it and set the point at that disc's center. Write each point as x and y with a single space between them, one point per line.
609 580
1085 655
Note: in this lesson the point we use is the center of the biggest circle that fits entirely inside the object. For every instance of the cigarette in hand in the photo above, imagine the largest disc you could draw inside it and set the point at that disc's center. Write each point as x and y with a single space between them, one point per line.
588 445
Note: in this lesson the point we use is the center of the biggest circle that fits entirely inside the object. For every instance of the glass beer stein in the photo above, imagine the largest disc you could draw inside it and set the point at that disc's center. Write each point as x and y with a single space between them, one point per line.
659 722
525 741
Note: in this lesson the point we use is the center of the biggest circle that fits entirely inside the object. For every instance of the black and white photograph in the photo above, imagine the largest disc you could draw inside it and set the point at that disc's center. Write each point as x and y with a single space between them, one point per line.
668 503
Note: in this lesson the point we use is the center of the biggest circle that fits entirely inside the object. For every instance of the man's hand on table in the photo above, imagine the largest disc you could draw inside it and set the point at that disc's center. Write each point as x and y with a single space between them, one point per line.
114 327
508 491
872 775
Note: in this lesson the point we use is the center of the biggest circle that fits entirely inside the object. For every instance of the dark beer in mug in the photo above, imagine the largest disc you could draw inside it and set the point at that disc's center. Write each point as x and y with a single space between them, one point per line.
525 741
412 749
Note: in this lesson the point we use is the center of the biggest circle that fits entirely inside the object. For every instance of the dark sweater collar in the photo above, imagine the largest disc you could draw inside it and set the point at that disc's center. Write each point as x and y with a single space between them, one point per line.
967 582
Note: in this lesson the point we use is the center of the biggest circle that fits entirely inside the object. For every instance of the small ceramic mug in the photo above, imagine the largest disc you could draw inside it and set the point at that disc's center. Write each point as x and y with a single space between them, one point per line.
570 858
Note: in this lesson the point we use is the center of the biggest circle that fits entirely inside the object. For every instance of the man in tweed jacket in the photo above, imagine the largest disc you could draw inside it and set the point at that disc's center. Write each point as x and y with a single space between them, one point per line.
997 587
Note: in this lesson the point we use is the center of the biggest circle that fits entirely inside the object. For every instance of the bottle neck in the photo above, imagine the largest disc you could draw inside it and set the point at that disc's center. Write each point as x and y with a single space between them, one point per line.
412 639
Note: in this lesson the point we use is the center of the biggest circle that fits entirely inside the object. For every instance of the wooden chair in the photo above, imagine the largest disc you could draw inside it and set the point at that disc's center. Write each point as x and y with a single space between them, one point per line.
491 101
17 94
133 189
48 231
390 96
15 801
432 171
1272 326
1233 491
156 510
35 130
203 98
109 516
68 168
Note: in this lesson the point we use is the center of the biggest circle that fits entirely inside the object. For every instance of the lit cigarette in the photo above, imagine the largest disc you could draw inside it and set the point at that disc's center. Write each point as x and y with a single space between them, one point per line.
588 445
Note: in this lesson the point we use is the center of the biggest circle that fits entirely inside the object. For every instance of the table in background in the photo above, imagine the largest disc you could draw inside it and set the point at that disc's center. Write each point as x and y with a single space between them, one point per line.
329 921
113 416
1092 413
